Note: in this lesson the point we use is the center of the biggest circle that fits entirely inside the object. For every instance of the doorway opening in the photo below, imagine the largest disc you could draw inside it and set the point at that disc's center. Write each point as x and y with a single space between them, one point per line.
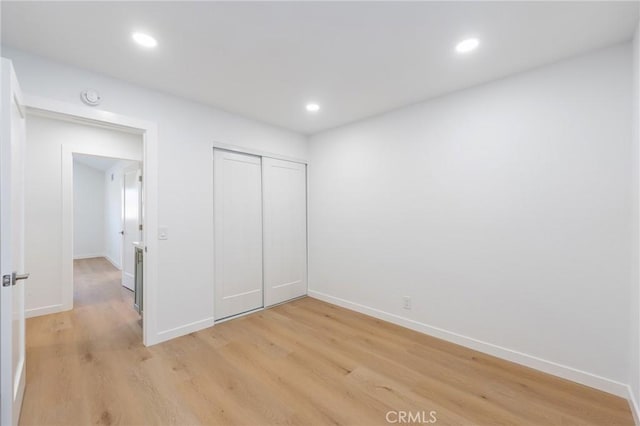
107 230
58 134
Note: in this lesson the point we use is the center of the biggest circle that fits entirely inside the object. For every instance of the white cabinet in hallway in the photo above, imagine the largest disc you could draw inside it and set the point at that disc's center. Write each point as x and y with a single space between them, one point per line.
260 232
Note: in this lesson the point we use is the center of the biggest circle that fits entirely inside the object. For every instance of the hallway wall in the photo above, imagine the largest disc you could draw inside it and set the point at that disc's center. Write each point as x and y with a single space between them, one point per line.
88 211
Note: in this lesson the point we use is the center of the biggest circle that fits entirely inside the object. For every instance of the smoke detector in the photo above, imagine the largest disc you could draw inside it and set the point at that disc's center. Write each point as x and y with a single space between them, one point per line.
91 97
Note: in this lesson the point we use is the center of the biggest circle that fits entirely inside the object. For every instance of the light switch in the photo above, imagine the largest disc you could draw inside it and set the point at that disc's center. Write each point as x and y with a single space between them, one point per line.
163 233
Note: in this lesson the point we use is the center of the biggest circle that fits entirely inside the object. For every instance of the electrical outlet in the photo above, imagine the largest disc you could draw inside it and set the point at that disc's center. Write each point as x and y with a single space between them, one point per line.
406 302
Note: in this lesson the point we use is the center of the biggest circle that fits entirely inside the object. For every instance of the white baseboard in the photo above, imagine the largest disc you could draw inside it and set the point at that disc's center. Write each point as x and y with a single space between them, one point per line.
635 410
113 262
183 330
550 367
88 256
44 310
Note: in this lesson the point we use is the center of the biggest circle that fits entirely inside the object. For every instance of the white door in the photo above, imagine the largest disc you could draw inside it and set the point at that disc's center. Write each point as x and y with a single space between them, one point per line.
285 230
238 233
12 326
131 225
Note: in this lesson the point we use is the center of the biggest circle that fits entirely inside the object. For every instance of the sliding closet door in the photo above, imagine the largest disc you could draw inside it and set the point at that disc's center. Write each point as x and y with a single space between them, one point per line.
285 230
238 233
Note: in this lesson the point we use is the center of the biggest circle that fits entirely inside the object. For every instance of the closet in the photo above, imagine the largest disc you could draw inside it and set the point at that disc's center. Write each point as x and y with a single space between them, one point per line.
260 232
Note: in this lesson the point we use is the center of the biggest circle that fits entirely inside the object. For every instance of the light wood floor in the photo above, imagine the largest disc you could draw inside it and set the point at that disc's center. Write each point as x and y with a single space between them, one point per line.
302 363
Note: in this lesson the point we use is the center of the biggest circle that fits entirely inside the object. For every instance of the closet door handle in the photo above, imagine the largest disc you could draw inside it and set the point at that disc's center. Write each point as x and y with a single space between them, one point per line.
17 277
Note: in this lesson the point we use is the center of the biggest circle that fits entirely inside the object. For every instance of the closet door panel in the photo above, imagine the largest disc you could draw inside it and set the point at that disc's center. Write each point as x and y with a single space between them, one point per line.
237 233
285 230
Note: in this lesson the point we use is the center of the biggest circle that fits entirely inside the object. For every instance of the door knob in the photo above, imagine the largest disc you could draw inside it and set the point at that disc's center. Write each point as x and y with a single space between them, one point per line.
17 277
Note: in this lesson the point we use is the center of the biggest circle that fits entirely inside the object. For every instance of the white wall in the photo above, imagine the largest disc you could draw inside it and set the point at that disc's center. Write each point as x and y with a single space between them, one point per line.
634 353
473 204
88 211
502 210
43 201
113 215
186 134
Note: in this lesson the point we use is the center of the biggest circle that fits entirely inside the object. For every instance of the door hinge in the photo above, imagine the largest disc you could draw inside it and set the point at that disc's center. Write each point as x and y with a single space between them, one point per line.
140 227
140 178
6 280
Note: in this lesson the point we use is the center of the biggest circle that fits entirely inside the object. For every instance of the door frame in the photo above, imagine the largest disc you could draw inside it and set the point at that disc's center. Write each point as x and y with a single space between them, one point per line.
257 152
36 105
68 220
124 171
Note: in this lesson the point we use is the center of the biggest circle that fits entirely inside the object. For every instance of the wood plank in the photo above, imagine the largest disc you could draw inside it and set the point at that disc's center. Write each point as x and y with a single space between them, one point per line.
302 363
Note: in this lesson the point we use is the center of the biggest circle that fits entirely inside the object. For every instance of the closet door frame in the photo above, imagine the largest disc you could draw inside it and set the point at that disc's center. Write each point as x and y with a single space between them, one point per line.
242 150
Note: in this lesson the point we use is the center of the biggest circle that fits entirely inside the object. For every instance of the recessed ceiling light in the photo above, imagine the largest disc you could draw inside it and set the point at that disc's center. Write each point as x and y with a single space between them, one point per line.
313 107
144 40
467 45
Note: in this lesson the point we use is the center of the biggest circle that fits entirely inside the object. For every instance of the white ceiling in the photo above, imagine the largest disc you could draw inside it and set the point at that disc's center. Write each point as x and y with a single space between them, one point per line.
97 162
267 60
